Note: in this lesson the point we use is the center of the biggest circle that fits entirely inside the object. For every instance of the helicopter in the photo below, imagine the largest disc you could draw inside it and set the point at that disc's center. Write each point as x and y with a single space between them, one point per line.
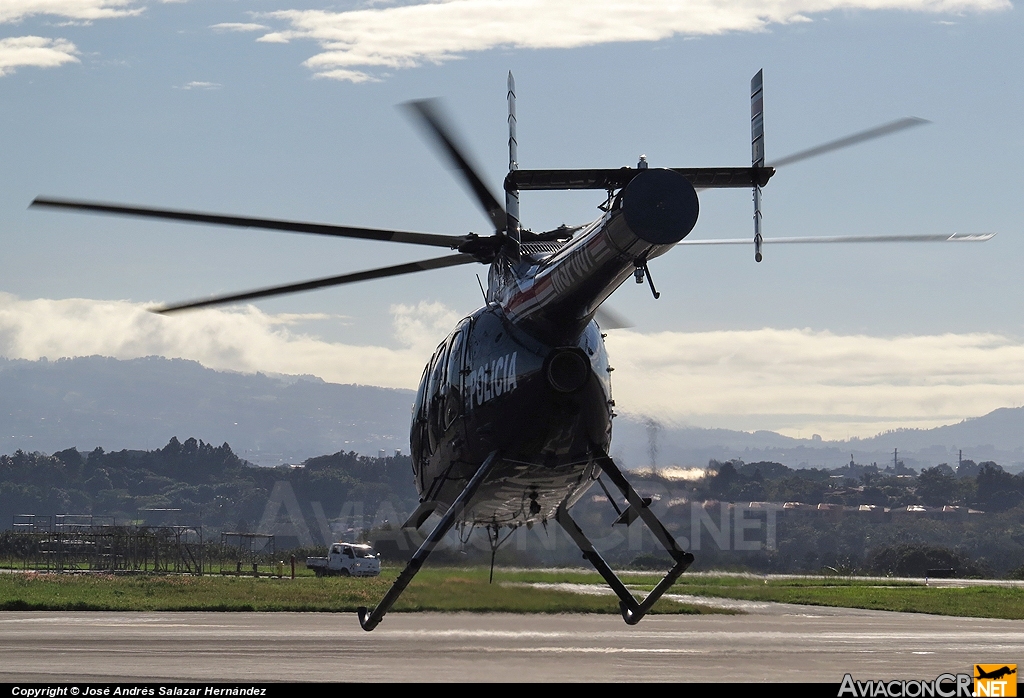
512 419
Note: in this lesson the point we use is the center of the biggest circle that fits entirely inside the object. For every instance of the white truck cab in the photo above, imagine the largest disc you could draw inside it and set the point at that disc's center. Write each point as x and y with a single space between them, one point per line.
346 560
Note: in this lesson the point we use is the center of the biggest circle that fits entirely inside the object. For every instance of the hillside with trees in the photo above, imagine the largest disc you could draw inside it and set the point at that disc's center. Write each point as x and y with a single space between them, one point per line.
856 519
207 484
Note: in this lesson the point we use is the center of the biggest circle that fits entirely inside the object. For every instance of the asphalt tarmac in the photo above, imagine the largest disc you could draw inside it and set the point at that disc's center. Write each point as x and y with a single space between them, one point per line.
772 642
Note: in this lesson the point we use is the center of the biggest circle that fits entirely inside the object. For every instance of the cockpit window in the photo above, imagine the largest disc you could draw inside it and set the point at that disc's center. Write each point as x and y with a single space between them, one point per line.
437 368
453 392
434 395
419 408
455 355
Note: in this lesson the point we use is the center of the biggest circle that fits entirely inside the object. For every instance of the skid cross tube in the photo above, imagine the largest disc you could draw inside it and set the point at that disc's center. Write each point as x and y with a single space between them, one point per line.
637 503
632 610
457 509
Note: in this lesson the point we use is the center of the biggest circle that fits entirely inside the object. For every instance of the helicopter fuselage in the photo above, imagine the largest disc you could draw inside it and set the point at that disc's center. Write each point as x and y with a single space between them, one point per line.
512 420
527 376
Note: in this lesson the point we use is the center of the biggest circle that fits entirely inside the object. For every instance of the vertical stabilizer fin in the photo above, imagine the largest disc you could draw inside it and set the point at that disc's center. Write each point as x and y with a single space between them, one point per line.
757 151
512 227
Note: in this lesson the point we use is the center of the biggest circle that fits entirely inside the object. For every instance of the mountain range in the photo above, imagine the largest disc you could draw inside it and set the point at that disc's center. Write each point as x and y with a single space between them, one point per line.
140 403
268 419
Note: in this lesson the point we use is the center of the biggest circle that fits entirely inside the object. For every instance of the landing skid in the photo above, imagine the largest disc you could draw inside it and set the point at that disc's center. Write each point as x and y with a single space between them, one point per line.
638 507
632 610
370 620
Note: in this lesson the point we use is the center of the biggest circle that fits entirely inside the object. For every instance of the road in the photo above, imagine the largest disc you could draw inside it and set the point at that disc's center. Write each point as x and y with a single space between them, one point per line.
774 642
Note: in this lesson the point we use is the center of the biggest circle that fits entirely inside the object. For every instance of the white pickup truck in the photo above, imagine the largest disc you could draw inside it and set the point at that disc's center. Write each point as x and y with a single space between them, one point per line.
346 560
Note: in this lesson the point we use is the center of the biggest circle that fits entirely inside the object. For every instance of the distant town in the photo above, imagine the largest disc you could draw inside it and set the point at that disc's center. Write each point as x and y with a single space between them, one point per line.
763 516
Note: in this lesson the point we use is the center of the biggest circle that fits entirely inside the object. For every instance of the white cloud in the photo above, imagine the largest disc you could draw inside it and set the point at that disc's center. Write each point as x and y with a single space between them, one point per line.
15 10
238 27
424 325
245 340
356 76
273 38
22 51
438 31
17 52
804 381
200 85
789 380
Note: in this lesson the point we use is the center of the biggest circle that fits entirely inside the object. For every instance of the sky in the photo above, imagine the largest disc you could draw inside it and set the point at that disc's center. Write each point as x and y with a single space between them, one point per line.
287 109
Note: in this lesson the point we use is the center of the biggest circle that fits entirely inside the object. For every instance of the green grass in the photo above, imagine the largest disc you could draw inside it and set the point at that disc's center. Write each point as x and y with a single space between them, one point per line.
748 580
466 589
895 595
437 589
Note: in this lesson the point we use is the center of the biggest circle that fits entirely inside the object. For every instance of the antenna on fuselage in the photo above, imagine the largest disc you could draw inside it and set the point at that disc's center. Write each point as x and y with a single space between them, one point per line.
512 227
757 152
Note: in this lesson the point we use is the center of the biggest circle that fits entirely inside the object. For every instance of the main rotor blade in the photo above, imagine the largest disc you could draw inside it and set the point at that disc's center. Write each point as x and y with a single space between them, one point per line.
877 132
944 237
411 267
435 124
609 319
449 241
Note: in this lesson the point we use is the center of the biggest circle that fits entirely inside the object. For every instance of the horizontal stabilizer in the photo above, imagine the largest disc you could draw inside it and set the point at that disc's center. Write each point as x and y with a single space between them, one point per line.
608 180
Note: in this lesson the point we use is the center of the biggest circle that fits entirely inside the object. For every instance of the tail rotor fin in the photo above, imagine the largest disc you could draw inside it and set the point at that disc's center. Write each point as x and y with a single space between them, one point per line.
512 227
757 152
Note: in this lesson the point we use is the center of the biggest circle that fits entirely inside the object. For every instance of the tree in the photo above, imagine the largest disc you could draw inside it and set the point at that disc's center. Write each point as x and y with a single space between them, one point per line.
935 487
997 489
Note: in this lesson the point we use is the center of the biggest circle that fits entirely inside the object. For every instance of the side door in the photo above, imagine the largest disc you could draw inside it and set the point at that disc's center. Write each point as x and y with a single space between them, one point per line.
334 558
436 386
348 558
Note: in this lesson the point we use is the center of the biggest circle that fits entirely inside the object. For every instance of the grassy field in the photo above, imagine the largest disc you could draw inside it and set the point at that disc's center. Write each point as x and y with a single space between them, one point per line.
437 589
466 589
894 595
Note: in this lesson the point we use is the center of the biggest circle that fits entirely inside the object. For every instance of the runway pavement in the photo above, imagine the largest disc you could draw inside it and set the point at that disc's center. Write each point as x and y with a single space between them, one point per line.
775 642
